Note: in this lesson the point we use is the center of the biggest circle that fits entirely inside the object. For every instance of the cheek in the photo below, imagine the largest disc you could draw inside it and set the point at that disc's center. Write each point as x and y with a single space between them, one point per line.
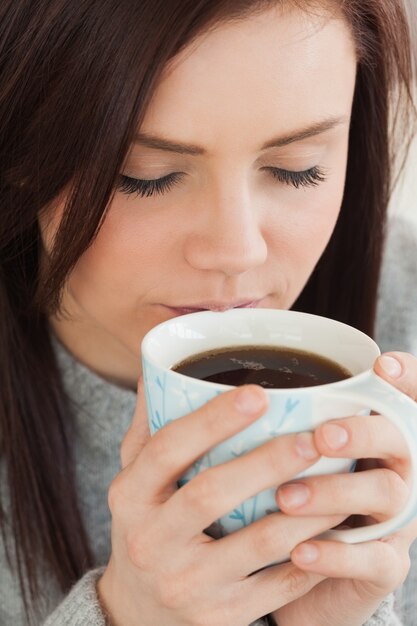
299 235
308 225
123 263
320 221
318 215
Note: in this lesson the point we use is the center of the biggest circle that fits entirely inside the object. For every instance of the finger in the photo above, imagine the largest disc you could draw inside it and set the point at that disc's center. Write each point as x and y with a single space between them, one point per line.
174 448
138 433
399 369
379 493
364 437
266 541
383 564
221 489
274 587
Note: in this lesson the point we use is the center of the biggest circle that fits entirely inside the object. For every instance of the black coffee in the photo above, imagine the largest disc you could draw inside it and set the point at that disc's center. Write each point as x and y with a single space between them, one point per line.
262 365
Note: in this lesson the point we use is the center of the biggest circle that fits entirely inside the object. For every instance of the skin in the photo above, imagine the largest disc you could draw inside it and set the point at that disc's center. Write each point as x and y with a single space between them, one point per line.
229 231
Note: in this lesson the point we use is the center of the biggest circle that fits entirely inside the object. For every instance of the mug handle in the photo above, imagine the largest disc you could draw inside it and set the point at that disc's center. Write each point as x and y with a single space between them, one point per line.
371 390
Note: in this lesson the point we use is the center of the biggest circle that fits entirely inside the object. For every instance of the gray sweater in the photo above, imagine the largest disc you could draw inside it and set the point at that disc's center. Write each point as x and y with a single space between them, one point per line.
103 414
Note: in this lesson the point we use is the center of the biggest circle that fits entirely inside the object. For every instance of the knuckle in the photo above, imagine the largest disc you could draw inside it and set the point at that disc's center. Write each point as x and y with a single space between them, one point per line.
404 567
162 446
268 538
204 492
399 560
394 489
296 583
140 551
162 450
274 455
386 574
116 496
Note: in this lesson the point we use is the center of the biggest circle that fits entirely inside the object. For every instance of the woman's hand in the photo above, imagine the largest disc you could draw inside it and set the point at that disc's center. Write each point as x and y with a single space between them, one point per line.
358 576
164 569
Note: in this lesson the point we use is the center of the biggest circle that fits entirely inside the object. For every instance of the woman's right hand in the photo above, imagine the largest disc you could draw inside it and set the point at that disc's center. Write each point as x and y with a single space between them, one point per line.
163 568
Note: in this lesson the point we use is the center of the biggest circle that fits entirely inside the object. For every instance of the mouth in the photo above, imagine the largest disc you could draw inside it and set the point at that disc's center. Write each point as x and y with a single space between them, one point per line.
215 306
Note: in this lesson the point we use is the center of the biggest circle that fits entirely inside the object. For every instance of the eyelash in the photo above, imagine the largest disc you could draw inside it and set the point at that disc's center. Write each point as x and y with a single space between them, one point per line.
308 178
146 188
158 186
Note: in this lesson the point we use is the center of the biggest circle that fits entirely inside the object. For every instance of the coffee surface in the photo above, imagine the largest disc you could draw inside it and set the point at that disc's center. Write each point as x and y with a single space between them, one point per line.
270 367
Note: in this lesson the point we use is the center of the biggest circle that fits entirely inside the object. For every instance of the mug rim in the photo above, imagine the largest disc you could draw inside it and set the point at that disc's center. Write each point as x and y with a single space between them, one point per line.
244 312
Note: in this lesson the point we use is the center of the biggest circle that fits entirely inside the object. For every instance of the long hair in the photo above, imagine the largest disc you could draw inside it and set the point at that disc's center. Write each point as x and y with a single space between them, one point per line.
75 81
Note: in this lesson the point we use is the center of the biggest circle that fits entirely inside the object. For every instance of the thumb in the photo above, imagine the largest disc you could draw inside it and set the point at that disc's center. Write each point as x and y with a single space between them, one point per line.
138 433
400 370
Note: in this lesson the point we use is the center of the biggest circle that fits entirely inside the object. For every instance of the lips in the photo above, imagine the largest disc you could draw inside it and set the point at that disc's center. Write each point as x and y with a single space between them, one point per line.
216 306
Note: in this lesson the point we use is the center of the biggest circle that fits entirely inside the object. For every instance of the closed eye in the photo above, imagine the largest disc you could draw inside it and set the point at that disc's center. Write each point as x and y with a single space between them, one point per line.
307 178
158 186
146 188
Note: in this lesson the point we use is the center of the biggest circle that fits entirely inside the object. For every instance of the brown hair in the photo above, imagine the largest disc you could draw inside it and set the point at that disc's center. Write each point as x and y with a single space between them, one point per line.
75 80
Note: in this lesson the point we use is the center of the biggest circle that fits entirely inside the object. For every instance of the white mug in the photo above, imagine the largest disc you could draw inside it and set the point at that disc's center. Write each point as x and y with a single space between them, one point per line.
171 395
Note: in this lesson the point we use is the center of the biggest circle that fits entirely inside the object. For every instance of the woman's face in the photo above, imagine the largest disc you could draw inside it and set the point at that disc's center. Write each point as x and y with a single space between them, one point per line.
241 166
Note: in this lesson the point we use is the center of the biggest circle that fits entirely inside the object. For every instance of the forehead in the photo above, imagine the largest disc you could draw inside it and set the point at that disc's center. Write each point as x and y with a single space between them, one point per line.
289 66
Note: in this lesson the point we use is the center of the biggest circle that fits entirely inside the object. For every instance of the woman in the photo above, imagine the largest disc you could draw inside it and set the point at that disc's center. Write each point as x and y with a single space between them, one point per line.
161 157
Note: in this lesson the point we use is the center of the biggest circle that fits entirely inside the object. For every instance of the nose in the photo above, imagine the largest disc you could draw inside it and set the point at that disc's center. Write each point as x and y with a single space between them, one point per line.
227 236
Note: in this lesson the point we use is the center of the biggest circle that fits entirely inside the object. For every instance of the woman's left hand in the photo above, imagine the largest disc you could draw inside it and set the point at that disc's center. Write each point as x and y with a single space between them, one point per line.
358 576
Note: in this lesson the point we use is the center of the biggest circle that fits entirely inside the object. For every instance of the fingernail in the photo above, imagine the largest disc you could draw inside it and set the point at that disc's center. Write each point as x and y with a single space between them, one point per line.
250 401
304 444
293 495
391 366
306 553
335 436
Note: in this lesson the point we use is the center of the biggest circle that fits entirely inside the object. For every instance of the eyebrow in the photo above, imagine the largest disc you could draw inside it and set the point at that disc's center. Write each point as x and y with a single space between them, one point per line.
160 143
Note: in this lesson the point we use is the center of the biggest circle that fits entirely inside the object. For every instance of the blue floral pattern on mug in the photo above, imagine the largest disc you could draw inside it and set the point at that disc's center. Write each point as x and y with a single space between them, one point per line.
170 396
